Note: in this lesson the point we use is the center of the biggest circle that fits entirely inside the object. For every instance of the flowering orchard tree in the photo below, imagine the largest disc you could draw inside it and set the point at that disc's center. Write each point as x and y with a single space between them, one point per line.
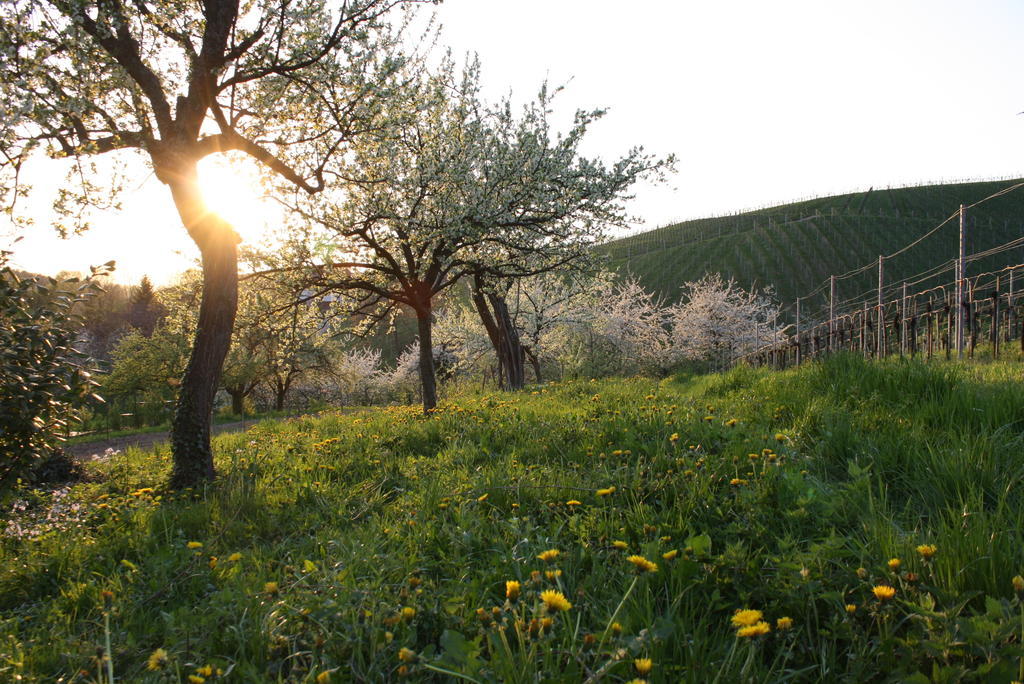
717 320
635 324
282 82
452 188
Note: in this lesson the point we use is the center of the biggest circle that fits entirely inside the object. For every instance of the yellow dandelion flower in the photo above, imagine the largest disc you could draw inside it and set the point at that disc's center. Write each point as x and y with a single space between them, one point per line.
554 601
546 622
608 491
620 545
735 482
674 438
572 502
389 637
616 628
213 562
271 588
883 592
731 422
323 678
779 437
643 564
194 545
927 551
512 590
235 557
756 629
637 681
408 613
552 575
894 564
643 665
851 608
482 497
670 555
1018 584
406 655
783 623
746 617
196 679
549 555
205 670
156 660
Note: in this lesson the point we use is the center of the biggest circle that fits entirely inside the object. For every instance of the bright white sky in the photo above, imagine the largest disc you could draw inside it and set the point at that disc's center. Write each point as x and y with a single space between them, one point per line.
763 103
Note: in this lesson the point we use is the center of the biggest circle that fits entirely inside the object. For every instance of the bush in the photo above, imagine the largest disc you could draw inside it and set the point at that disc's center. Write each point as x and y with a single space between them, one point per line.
44 382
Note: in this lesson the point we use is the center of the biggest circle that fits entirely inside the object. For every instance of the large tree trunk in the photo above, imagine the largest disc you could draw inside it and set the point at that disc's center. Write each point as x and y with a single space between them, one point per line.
217 242
504 337
510 350
280 392
534 361
428 380
237 400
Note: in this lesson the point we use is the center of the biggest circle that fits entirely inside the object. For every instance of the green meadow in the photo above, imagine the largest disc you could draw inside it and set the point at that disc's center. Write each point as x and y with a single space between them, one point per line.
846 521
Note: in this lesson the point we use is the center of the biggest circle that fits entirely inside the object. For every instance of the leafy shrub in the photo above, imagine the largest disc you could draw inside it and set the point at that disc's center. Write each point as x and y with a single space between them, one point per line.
43 378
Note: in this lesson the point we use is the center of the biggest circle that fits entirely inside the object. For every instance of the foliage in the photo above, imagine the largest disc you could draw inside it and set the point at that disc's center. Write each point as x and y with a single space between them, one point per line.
44 380
359 544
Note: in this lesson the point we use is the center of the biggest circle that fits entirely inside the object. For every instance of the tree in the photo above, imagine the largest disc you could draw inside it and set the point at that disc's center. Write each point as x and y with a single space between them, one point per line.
462 190
718 320
44 380
143 308
176 82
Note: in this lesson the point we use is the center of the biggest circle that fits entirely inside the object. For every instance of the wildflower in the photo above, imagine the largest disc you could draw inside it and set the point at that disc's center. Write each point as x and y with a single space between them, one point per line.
674 438
1018 584
670 555
779 437
213 562
643 665
271 588
512 590
862 573
927 551
482 497
194 545
606 492
389 637
616 628
156 660
205 671
552 575
637 681
746 617
731 422
735 482
196 679
643 564
406 655
572 502
403 671
408 613
235 557
883 592
851 608
783 623
554 601
323 678
620 545
894 564
549 555
756 629
546 623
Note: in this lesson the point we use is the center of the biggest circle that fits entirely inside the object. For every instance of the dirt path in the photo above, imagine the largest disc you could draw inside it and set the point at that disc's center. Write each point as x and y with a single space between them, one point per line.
143 440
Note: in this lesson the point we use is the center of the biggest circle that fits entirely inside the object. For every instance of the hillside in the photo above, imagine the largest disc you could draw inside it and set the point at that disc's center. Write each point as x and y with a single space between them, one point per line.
586 531
796 247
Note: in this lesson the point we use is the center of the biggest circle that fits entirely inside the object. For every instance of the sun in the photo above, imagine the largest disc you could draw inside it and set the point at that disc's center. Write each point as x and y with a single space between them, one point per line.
233 191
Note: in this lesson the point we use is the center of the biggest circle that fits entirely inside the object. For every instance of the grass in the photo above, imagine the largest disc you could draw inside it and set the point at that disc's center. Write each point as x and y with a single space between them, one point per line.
330 544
